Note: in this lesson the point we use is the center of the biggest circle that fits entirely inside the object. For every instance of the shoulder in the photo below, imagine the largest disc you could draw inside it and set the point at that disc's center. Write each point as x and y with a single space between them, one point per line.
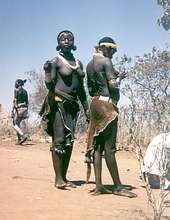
107 61
50 63
24 91
89 66
55 60
101 61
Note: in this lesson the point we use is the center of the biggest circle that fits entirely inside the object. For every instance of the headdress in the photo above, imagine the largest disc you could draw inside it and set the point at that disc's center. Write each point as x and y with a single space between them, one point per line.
107 42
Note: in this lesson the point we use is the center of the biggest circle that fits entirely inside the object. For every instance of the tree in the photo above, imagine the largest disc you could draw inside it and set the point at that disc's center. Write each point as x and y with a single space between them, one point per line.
147 114
39 90
148 91
165 18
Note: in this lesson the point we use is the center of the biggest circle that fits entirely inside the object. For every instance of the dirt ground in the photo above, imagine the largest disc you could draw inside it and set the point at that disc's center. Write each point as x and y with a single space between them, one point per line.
27 189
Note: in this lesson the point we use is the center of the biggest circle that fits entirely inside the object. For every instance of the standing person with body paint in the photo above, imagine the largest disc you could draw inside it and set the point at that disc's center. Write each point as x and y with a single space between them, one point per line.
103 84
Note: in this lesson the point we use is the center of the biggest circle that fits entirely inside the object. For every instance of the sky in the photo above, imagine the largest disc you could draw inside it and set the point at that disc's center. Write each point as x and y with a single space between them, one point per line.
29 28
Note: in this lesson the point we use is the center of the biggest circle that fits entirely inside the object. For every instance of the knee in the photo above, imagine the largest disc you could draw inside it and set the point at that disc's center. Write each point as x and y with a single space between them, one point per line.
58 141
110 151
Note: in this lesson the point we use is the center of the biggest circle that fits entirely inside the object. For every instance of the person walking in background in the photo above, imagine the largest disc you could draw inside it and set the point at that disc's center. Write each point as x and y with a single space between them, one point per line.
20 111
103 84
64 80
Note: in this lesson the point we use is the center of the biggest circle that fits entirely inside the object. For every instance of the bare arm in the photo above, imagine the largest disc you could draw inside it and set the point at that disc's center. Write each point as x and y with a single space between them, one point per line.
49 71
111 74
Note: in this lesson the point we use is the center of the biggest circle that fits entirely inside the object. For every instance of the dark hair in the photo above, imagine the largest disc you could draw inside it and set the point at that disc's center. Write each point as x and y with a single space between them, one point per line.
107 39
19 82
58 39
62 32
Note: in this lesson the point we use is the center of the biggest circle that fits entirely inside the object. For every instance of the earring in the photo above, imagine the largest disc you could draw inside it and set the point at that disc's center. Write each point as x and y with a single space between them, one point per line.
58 48
74 48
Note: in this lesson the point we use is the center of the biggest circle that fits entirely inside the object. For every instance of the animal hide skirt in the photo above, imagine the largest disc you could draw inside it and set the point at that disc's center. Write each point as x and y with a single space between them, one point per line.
102 115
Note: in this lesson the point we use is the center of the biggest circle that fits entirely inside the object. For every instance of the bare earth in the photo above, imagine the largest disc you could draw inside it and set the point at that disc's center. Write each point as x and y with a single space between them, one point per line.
27 189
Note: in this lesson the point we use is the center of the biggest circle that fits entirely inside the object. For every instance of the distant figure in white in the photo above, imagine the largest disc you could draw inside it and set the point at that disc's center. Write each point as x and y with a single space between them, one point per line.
156 163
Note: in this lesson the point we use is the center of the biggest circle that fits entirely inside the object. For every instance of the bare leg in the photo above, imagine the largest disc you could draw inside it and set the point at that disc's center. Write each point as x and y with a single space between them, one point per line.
110 142
58 158
112 167
100 189
98 167
21 136
18 122
57 165
110 137
66 160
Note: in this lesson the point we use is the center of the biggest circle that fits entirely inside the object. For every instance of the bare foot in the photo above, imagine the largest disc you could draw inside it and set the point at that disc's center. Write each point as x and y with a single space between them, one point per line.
128 187
60 184
124 192
100 191
70 184
63 186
